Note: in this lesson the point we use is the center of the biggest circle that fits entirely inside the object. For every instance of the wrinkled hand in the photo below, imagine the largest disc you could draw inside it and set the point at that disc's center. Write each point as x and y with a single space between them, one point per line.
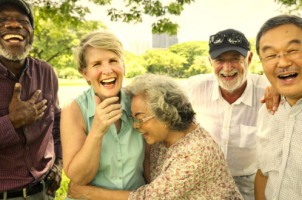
272 99
106 113
78 192
56 174
25 112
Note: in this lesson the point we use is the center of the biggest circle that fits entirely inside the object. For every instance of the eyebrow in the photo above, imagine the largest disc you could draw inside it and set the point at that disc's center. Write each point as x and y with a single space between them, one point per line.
294 41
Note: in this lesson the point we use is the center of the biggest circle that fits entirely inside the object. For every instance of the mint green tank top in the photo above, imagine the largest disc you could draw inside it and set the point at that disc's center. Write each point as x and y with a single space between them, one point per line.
122 155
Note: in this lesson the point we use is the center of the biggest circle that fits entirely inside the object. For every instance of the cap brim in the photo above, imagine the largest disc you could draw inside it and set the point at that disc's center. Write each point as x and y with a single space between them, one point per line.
216 53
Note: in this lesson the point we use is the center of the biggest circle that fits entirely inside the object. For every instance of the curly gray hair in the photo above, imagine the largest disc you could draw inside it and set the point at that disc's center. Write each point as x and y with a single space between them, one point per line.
165 99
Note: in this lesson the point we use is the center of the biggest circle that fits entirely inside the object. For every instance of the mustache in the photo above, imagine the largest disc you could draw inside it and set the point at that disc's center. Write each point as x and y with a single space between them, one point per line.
222 72
293 69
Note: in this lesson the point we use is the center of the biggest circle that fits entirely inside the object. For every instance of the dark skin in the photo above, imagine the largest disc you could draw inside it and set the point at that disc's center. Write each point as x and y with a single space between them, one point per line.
14 21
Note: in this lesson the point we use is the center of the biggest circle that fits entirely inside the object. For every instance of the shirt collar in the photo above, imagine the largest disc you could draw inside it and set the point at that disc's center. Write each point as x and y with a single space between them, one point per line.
125 102
246 97
5 70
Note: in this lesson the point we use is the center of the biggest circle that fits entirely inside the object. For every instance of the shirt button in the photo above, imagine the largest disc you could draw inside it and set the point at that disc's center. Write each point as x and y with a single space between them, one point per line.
32 168
280 173
26 148
225 127
4 74
116 140
224 143
291 116
229 108
274 198
119 160
25 129
286 144
120 177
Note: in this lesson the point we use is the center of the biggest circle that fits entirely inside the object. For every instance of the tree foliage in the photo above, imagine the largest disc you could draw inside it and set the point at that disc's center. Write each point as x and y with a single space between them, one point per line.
290 6
70 11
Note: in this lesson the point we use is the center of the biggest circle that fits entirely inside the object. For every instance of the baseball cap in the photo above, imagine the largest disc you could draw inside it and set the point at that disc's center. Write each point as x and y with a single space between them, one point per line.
25 6
228 40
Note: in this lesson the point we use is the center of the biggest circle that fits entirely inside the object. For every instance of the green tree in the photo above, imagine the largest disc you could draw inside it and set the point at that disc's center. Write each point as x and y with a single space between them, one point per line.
70 11
134 69
201 65
190 50
290 6
164 62
54 42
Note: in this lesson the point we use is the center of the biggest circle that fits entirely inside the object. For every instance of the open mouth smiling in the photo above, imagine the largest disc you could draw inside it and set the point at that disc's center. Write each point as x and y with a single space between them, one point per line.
229 75
108 82
13 38
288 77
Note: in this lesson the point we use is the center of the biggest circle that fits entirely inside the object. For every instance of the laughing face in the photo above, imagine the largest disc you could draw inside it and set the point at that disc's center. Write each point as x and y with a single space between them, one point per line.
152 130
230 69
16 33
104 71
284 72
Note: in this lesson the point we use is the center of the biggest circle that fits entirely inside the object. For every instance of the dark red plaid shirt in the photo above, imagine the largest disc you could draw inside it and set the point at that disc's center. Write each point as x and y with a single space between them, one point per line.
28 152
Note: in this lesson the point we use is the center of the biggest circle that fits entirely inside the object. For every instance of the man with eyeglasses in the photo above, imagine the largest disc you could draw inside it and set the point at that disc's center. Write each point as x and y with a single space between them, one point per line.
227 103
279 138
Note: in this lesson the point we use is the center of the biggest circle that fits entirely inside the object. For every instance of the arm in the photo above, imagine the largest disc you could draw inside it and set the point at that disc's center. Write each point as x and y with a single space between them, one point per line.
272 99
181 176
79 149
259 185
147 164
95 193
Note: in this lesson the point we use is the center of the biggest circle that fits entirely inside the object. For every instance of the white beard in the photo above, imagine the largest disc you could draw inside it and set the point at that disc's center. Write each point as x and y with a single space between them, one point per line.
15 56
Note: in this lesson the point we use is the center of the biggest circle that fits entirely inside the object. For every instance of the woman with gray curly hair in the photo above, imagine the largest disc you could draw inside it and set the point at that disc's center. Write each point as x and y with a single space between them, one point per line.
185 162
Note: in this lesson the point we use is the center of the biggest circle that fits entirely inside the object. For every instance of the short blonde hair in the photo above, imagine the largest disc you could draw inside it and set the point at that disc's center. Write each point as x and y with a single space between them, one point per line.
100 40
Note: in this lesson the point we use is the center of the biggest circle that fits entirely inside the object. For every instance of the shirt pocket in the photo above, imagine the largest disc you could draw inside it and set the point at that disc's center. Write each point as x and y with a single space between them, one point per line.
248 135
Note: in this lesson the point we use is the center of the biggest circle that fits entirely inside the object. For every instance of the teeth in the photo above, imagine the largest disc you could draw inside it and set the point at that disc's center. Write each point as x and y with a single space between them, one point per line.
283 76
229 74
7 37
108 80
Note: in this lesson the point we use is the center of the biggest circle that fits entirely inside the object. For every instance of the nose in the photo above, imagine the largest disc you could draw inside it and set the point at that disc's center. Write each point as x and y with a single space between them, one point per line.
227 66
107 70
12 23
283 61
135 126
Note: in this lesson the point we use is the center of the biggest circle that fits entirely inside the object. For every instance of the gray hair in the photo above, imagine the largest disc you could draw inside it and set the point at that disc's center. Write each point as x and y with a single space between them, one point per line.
165 99
277 21
100 40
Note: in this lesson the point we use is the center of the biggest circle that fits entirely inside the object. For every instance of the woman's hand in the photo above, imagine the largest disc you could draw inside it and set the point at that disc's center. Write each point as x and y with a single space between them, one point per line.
106 113
78 192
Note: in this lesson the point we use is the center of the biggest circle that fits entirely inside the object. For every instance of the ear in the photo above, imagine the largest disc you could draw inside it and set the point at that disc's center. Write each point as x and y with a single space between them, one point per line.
250 57
210 60
85 74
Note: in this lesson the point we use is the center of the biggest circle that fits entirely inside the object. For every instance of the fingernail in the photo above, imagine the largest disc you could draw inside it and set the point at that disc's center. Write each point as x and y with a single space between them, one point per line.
17 85
272 112
275 108
269 110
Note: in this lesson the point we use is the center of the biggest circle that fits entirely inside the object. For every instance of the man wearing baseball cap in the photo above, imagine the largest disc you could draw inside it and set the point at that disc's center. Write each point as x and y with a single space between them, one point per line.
30 146
227 103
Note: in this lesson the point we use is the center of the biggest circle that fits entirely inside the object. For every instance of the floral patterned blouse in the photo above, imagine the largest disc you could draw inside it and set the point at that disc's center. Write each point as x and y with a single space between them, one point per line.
192 168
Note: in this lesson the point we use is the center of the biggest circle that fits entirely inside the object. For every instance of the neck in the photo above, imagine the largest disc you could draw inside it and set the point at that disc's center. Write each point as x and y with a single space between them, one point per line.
175 136
231 97
15 67
291 101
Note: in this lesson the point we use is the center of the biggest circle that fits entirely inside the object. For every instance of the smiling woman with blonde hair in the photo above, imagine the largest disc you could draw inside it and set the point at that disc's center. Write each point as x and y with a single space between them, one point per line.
100 145
185 162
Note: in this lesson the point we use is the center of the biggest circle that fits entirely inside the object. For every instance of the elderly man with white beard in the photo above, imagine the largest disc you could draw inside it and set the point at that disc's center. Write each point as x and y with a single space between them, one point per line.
227 104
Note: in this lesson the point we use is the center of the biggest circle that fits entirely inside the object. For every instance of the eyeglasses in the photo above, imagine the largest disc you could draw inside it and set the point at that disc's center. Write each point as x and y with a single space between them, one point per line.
220 61
139 121
234 38
273 59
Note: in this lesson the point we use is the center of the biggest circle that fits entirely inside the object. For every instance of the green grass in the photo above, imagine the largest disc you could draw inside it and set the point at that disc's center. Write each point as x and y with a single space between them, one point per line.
62 191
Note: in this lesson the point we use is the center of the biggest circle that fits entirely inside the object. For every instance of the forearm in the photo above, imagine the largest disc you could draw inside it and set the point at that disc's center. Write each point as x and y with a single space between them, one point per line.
83 167
8 135
260 185
105 194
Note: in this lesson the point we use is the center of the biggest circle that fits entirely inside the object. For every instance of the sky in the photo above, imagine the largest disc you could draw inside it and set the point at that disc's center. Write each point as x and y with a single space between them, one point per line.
197 22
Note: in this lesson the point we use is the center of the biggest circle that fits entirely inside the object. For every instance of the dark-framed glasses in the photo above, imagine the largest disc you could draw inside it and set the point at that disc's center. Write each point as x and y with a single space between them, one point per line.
273 59
139 121
234 38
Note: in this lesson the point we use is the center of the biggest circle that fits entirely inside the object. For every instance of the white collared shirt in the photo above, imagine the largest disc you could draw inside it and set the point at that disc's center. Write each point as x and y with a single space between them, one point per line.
279 151
233 126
